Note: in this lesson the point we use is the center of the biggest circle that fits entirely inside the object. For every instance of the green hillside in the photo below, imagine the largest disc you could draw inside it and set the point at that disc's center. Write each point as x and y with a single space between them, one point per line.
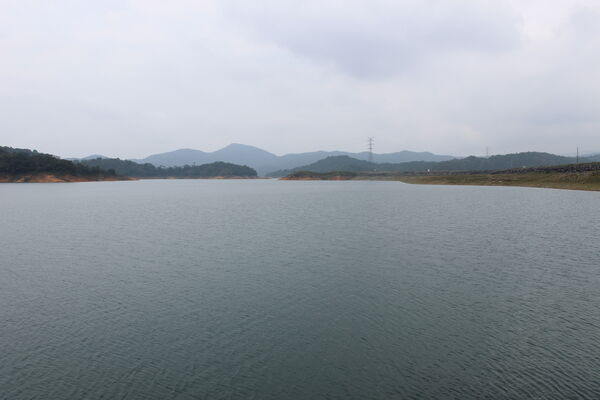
14 162
499 162
147 170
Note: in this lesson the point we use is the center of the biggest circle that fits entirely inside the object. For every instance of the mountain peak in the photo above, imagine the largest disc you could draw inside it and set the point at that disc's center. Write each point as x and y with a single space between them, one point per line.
265 162
241 147
238 145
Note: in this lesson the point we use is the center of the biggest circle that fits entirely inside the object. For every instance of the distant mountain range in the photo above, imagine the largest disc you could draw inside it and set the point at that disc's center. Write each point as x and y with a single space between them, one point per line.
264 162
499 162
24 163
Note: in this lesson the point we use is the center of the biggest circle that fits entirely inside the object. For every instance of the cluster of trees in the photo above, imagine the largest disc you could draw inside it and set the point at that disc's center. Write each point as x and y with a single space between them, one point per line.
23 161
133 169
323 175
499 162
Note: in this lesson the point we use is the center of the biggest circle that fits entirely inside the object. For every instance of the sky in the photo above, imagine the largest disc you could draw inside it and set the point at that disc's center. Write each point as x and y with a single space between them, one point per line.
129 78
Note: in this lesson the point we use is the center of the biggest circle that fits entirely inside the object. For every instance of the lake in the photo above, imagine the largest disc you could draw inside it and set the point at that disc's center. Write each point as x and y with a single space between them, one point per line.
263 289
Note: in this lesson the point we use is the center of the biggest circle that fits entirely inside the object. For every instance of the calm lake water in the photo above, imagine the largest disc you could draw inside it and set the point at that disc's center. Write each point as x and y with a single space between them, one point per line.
191 289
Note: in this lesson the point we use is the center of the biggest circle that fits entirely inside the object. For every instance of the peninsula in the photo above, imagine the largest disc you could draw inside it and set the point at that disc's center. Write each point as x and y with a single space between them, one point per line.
23 165
214 170
571 176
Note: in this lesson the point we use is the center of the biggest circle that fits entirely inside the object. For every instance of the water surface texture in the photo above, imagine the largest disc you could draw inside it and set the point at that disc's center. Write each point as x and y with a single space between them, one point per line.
198 289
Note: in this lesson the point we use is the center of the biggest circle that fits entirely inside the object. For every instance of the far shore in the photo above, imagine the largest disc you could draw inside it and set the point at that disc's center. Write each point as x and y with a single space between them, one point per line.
58 178
202 177
589 180
569 181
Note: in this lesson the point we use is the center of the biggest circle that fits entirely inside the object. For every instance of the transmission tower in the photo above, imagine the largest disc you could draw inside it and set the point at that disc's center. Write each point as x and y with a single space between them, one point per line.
371 142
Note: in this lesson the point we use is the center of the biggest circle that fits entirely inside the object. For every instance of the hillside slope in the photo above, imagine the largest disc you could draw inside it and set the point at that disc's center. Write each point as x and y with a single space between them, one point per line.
23 165
498 162
147 170
265 162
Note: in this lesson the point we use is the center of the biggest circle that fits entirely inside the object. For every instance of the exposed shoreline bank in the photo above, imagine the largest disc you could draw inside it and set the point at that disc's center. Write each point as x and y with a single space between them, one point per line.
200 177
588 180
567 181
58 178
55 178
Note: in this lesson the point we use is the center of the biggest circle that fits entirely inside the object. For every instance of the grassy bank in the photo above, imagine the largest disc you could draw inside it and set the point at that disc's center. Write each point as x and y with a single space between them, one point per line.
557 178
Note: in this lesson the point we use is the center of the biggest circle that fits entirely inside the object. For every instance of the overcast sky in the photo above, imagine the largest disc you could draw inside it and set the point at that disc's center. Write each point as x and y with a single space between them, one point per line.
131 78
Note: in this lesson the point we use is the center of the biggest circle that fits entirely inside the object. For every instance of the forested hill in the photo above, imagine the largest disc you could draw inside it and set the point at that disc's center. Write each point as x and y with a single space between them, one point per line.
147 170
16 162
499 162
333 163
265 162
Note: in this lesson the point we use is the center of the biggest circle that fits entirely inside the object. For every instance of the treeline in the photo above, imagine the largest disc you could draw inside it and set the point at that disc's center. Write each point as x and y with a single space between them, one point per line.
136 170
565 168
498 162
24 161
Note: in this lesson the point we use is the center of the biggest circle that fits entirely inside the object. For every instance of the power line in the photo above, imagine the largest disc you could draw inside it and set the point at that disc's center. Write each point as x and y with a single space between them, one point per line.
371 142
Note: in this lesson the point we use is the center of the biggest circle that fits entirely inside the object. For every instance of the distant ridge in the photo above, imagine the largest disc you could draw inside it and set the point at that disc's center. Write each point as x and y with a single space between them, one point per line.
472 163
90 157
93 157
265 162
147 170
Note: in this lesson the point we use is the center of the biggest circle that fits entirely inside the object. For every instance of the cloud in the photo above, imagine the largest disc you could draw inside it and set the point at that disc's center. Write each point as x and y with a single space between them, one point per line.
128 78
379 38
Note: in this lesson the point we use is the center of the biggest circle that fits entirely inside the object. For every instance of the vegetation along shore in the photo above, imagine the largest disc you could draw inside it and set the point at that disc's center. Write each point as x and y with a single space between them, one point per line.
23 165
572 176
57 178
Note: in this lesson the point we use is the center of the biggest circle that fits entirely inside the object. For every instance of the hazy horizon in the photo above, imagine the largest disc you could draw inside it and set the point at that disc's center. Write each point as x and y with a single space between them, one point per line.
130 79
111 155
251 145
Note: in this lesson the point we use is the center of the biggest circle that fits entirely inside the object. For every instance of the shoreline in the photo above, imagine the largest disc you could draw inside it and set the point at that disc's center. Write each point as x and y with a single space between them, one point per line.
565 181
199 177
587 181
57 178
